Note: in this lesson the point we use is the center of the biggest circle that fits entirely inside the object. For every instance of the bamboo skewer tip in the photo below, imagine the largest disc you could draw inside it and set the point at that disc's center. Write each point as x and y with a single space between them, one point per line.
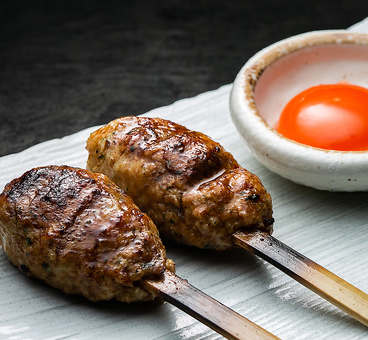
334 289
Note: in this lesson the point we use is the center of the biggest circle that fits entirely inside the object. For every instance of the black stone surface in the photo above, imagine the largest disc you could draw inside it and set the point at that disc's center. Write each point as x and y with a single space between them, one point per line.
69 65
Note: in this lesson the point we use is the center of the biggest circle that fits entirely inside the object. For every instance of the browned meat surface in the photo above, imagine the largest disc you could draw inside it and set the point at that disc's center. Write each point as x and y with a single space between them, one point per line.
80 233
194 190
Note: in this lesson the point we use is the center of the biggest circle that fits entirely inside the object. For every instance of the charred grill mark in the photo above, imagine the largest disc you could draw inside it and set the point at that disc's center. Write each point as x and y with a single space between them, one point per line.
54 191
23 187
179 147
24 269
253 197
187 155
153 134
268 221
18 188
58 193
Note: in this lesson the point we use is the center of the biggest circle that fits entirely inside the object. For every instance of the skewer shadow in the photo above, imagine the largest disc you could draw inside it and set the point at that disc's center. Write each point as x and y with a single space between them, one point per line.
198 265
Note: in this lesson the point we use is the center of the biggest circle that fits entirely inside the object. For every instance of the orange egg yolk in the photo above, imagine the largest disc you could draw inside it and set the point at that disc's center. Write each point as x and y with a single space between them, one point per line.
333 117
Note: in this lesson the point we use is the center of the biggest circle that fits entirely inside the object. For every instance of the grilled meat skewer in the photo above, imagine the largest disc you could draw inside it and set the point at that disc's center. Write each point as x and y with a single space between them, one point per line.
80 233
197 194
194 191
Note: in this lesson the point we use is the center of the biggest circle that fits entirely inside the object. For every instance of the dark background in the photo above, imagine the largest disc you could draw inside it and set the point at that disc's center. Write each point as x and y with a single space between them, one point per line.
65 65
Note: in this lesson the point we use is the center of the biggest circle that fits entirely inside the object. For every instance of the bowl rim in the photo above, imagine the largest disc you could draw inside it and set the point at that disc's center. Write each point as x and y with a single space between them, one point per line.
267 145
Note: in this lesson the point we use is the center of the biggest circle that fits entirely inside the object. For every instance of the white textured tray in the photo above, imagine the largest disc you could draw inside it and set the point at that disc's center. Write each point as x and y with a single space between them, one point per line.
330 228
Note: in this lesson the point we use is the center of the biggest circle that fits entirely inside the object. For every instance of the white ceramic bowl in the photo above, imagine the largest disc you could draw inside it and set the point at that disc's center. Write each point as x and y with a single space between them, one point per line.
274 76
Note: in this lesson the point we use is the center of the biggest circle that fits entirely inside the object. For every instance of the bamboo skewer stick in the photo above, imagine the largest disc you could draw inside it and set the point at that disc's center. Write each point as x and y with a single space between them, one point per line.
334 289
207 310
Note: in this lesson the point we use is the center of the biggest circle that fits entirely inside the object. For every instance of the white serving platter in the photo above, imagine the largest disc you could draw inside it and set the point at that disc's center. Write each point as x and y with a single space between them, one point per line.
330 228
